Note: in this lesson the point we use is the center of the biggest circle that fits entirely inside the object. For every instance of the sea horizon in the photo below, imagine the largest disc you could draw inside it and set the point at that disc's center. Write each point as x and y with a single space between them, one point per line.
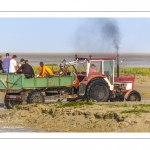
125 59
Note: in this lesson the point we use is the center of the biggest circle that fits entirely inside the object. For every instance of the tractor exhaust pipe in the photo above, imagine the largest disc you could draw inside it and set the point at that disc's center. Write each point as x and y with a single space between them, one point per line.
117 48
117 65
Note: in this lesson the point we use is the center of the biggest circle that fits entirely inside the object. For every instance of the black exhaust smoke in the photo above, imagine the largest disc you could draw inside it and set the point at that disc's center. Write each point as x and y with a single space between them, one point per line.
111 32
99 35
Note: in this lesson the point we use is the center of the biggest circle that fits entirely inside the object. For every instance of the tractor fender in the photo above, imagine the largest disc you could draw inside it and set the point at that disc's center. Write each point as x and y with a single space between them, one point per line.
91 77
130 92
85 82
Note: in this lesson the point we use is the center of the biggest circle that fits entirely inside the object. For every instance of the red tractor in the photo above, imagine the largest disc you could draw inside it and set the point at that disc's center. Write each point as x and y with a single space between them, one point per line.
94 79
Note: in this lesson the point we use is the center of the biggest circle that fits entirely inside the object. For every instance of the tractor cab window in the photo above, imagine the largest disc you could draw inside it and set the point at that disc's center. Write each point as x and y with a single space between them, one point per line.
108 70
81 67
95 66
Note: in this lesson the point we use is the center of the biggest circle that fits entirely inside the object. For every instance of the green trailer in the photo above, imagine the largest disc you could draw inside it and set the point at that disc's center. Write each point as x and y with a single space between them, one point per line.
20 89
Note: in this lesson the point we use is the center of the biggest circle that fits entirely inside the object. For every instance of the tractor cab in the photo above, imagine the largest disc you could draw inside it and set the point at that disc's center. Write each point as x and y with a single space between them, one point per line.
96 66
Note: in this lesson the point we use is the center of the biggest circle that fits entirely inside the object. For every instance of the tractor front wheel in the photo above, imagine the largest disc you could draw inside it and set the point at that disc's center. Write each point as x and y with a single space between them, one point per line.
135 96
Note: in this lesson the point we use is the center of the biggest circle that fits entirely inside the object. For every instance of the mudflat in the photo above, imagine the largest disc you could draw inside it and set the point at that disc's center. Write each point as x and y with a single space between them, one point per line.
79 117
82 116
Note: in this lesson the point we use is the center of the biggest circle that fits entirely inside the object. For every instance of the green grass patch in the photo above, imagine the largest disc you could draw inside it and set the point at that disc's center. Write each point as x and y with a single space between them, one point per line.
134 71
123 71
74 104
51 64
136 111
118 105
44 111
141 106
50 112
18 107
125 105
35 68
144 105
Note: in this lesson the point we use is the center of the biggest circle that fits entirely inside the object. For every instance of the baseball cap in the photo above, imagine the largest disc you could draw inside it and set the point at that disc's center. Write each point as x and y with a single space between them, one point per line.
14 56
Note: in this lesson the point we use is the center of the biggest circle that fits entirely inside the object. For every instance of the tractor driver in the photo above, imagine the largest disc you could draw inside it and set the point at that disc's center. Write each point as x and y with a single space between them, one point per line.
44 70
93 69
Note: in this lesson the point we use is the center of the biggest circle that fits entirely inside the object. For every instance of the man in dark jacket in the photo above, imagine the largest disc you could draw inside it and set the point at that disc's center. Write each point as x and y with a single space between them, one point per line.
27 70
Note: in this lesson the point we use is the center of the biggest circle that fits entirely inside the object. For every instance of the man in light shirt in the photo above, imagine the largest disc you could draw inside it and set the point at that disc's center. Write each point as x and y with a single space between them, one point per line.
13 64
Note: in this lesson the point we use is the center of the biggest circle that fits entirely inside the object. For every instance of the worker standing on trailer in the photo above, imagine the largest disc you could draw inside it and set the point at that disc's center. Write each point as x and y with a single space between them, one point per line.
13 64
6 63
44 70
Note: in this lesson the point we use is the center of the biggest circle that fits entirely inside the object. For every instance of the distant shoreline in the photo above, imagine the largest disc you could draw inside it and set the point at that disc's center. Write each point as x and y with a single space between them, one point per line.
127 60
85 54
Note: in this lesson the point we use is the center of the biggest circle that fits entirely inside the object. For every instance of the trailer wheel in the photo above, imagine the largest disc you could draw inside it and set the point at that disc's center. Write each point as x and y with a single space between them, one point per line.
98 90
8 103
135 96
35 97
11 103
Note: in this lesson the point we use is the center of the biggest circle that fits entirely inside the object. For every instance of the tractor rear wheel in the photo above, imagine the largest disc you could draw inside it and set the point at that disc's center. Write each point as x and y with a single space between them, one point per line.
35 97
98 90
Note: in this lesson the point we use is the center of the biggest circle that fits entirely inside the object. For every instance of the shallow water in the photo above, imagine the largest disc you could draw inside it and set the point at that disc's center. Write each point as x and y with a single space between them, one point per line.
127 60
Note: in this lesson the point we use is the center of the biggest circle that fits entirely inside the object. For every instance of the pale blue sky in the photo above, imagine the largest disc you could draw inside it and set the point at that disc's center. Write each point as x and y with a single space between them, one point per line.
72 34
